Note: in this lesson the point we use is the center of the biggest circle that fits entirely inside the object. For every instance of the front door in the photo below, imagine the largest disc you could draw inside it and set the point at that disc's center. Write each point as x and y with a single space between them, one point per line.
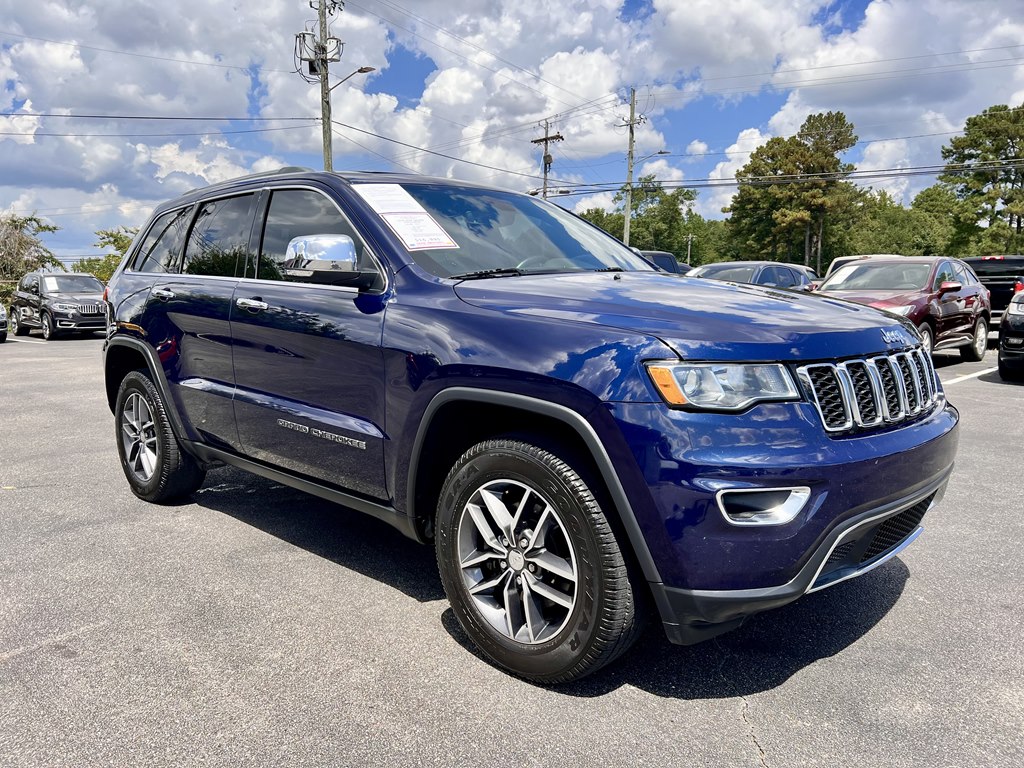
308 366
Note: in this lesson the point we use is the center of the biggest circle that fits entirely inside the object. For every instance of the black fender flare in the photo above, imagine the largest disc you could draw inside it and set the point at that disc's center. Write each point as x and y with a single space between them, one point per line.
582 427
156 375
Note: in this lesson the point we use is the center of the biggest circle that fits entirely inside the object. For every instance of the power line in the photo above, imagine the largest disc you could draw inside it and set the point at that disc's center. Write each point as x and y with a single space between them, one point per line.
246 119
157 135
6 33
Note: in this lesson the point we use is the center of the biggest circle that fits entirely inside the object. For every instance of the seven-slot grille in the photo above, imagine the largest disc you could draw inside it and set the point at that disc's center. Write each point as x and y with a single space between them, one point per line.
859 394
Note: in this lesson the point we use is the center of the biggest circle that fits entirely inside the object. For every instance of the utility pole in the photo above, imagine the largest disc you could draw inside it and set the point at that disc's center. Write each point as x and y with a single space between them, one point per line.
323 70
548 160
633 121
689 243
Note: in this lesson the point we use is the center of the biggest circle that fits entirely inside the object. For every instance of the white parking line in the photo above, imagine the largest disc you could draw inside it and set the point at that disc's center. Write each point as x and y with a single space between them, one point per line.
958 379
25 341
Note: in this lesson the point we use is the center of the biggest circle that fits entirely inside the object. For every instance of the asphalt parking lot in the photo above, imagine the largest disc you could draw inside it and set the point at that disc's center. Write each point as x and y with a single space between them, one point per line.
259 626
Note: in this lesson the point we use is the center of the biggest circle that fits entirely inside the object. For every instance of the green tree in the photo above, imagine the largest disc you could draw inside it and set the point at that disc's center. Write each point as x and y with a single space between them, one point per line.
661 217
791 188
22 249
103 267
985 168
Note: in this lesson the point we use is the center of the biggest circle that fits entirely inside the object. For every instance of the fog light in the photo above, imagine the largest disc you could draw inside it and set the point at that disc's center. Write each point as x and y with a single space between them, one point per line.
756 506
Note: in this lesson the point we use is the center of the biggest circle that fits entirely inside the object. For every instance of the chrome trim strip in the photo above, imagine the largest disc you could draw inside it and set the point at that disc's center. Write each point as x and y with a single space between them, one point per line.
873 564
798 497
849 534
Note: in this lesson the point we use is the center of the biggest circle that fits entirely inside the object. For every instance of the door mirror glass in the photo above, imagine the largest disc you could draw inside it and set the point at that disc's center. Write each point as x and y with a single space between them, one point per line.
319 253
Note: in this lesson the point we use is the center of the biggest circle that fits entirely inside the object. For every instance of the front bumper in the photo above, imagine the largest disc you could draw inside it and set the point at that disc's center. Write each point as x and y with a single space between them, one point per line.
77 322
714 572
857 546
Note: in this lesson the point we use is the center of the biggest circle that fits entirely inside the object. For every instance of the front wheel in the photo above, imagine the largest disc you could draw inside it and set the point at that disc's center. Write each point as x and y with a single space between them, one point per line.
154 464
531 565
927 340
16 327
47 324
975 351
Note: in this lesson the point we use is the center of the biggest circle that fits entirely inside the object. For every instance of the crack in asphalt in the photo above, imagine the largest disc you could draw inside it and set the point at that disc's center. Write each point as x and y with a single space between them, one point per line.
724 654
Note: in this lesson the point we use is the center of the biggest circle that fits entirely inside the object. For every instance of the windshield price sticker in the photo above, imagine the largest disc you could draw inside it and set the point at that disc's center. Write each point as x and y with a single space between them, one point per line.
416 228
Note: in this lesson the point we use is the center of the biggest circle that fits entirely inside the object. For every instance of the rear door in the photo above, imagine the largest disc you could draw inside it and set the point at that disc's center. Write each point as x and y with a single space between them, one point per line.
188 312
308 365
952 315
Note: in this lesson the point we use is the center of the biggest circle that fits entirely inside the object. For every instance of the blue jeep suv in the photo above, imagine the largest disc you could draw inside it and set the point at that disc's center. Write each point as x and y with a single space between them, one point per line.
584 439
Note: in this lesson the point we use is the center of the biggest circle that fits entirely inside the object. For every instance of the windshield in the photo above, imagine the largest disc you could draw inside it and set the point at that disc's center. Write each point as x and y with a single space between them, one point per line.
452 231
72 284
726 272
875 276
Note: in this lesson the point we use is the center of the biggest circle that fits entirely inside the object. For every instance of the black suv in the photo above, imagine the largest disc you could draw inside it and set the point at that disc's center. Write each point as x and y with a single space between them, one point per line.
584 439
57 304
1002 275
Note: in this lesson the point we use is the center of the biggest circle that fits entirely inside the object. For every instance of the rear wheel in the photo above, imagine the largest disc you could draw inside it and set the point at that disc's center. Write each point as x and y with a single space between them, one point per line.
154 464
975 351
531 565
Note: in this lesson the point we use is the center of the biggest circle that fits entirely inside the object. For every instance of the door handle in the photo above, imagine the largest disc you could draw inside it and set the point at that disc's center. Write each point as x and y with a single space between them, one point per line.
163 294
253 305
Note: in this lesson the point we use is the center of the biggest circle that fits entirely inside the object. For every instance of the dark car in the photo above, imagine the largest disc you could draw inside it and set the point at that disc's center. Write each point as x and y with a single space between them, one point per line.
942 297
1011 340
57 304
581 437
1002 275
665 261
3 324
769 273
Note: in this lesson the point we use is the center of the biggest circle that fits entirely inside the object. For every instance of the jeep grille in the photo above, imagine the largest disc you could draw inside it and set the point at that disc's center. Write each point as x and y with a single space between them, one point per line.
860 394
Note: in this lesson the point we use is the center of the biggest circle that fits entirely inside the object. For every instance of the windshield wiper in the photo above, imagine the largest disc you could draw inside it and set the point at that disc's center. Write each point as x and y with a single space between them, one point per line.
610 269
500 272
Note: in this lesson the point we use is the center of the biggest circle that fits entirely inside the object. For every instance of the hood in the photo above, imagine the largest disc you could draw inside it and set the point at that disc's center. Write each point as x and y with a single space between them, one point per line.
699 319
81 298
883 299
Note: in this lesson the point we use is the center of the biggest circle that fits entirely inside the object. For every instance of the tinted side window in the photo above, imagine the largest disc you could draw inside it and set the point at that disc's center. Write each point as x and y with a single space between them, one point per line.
161 249
786 277
219 241
944 274
964 275
768 276
297 212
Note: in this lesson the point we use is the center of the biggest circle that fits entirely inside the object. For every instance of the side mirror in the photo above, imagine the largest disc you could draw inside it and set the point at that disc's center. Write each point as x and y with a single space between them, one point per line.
34 289
326 259
949 286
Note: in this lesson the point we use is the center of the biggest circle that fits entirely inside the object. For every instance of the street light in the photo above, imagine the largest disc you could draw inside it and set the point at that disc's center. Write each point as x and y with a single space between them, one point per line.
325 109
629 187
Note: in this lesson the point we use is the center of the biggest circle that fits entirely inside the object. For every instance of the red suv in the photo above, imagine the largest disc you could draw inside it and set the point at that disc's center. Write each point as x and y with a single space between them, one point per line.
941 296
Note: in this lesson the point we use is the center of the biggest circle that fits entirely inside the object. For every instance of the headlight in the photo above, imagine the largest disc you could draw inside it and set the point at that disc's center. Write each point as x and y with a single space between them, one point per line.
722 386
1015 308
3 312
901 311
62 307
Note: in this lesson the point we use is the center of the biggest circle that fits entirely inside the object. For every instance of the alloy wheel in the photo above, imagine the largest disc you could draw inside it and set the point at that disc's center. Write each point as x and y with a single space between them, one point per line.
517 561
138 435
980 338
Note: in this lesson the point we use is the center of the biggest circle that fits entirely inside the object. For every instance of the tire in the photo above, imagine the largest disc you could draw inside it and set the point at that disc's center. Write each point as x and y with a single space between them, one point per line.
975 351
16 327
154 464
1006 373
46 323
927 337
553 603
3 336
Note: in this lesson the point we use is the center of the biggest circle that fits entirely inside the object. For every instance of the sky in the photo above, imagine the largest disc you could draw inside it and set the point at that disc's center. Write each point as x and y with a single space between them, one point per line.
109 107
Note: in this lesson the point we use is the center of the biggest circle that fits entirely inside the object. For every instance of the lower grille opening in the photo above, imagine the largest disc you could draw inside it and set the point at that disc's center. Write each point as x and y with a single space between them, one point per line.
870 544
